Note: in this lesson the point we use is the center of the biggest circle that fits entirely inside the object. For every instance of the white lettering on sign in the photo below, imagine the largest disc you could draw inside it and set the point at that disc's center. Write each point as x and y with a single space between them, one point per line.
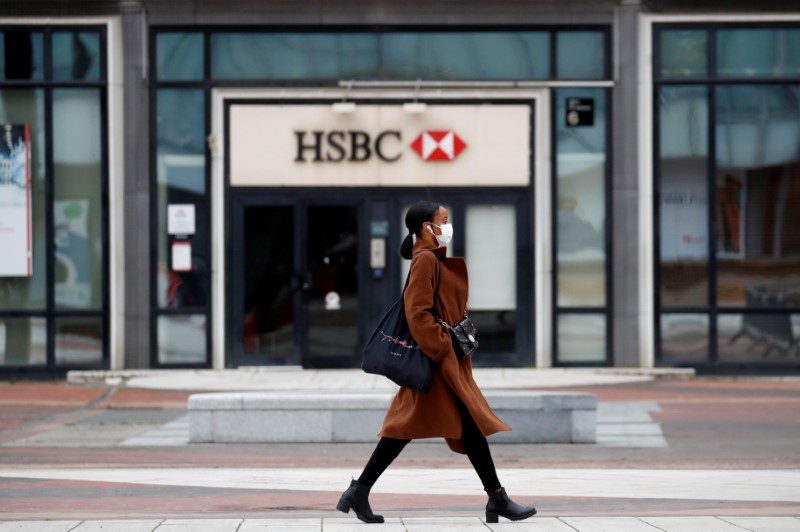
379 145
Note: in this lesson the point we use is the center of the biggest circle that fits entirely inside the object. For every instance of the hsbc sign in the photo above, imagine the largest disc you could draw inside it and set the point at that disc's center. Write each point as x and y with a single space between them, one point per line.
379 145
438 145
358 146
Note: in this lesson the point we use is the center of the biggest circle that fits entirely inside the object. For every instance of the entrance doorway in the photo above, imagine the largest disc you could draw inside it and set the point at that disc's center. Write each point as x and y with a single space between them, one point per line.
298 302
298 273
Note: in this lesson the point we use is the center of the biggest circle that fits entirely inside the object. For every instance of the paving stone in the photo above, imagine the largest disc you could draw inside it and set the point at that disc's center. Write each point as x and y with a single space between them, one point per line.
200 525
691 524
350 524
534 524
765 524
276 525
608 524
454 524
118 525
629 429
38 526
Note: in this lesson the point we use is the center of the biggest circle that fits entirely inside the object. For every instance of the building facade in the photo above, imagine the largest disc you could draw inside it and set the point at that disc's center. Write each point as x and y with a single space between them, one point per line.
223 184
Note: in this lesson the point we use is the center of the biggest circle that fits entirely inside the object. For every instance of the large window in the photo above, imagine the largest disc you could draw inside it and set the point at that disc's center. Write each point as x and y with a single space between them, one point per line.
52 87
581 249
728 186
186 65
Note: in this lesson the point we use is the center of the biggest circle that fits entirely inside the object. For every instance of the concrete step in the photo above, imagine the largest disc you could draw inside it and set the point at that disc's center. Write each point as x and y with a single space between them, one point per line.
344 416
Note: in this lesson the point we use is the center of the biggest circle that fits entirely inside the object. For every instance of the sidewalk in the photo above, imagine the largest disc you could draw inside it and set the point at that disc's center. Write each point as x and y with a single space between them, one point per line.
675 454
291 378
423 524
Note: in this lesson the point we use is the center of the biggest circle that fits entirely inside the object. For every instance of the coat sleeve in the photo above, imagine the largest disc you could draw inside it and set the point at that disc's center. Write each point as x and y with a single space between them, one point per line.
418 299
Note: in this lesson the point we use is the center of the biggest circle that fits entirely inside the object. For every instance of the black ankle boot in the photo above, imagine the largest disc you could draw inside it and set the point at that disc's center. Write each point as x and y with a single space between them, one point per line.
500 504
357 498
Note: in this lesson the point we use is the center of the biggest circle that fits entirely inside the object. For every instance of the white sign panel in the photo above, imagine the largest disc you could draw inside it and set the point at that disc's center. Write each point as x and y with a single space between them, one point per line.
379 145
181 256
180 219
15 201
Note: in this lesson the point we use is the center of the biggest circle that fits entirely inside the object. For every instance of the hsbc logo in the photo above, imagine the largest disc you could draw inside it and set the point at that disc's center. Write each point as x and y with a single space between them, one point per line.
358 146
438 145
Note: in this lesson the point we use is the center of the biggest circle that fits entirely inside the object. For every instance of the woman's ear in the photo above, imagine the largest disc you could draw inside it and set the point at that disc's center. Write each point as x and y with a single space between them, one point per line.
430 230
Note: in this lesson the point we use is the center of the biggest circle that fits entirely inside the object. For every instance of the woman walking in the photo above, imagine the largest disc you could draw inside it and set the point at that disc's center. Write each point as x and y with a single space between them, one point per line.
453 407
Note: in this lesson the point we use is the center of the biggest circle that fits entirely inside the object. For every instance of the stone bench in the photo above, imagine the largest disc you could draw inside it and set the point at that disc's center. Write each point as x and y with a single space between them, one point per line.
348 416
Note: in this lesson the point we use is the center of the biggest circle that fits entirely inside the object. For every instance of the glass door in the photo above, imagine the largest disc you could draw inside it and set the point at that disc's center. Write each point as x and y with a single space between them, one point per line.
295 282
267 280
331 293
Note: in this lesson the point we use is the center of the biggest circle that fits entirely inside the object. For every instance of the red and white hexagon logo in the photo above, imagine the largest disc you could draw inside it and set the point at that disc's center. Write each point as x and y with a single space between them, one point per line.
440 145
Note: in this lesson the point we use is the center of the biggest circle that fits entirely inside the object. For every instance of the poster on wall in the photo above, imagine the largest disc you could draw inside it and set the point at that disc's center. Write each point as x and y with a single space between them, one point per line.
731 203
15 201
73 280
684 217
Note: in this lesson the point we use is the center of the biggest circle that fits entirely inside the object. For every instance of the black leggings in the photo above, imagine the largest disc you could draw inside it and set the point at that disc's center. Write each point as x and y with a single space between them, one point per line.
475 445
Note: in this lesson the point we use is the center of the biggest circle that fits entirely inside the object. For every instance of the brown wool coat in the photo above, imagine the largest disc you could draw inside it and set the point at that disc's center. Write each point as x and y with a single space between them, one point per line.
435 413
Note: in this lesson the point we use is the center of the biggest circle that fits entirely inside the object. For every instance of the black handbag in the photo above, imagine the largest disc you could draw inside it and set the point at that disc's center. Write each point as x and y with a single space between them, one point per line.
464 337
463 334
392 352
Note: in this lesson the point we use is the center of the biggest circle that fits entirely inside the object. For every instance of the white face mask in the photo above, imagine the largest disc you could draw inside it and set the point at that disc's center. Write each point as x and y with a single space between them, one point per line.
447 233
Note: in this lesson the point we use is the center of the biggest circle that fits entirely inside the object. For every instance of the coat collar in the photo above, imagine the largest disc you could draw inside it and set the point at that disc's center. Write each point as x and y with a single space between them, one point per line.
423 245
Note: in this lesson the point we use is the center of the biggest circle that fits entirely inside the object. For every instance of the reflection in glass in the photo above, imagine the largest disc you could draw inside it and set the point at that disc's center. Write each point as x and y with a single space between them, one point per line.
325 56
758 337
333 275
580 55
683 195
393 55
182 339
26 106
76 55
79 341
181 179
758 52
581 178
23 341
462 55
684 337
758 191
269 327
179 56
684 53
491 253
21 55
77 206
581 338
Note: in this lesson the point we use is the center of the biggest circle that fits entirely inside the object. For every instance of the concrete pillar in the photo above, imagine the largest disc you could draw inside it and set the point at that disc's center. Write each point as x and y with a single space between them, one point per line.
137 186
625 188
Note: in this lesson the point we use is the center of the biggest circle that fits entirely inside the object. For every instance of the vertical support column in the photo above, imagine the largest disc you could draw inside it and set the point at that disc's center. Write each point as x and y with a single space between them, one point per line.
137 191
625 188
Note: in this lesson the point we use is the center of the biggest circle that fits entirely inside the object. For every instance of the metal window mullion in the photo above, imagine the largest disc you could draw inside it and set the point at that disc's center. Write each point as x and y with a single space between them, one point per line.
609 235
207 228
554 222
49 194
153 208
105 325
712 225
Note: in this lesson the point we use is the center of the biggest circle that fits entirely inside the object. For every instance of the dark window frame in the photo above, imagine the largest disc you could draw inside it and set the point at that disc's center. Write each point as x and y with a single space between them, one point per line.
713 310
51 312
606 310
